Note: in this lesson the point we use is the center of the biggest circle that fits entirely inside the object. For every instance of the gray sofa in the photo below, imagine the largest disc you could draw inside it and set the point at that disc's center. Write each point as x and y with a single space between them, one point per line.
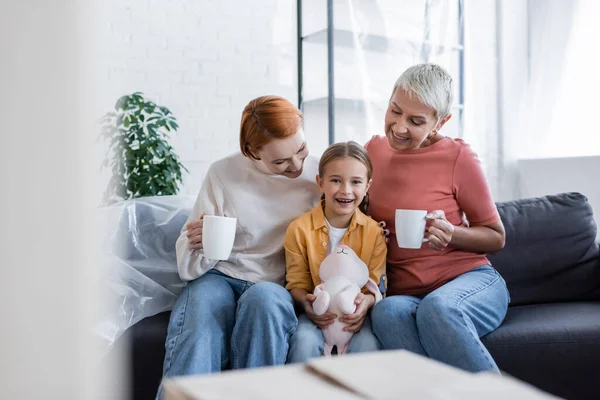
551 263
551 334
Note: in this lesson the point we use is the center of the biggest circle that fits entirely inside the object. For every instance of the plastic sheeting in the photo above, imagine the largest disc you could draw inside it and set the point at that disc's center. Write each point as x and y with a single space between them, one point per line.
139 274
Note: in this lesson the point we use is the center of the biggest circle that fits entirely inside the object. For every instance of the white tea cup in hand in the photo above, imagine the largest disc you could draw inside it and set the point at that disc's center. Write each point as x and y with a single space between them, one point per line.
410 228
218 235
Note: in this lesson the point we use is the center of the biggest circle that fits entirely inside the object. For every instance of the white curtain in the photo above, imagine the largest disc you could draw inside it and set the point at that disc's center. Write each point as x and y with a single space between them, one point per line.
481 88
530 93
572 129
375 41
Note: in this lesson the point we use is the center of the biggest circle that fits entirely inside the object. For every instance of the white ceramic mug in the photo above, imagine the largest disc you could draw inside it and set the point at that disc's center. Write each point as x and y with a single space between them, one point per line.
410 228
218 234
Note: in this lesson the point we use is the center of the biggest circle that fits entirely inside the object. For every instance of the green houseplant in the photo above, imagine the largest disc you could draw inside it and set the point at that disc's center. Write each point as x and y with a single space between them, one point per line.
141 160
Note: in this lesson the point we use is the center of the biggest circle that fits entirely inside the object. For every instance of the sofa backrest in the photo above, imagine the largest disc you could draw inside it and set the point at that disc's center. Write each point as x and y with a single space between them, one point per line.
551 252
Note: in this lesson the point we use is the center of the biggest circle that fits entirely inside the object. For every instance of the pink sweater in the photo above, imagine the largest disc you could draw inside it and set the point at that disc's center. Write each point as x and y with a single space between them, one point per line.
447 176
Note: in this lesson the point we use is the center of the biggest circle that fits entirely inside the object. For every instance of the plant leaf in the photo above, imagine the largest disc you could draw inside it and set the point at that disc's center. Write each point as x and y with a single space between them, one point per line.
121 104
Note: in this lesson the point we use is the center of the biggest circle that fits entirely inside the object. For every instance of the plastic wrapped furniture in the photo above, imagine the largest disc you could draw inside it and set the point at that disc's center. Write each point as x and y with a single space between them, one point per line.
139 265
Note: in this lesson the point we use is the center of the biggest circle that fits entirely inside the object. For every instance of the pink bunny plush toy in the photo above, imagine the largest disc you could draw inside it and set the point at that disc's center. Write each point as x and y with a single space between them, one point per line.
343 274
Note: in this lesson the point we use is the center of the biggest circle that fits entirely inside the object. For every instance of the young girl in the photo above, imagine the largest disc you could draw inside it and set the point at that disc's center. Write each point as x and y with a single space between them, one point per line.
344 179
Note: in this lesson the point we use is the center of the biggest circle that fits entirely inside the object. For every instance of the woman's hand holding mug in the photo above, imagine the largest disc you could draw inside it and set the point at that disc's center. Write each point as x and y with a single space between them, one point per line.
194 232
439 230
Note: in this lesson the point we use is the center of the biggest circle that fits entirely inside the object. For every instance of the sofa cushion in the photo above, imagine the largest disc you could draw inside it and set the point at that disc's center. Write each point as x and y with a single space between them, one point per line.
555 347
551 252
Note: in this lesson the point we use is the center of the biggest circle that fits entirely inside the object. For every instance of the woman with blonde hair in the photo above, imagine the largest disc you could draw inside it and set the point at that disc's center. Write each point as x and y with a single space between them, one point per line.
443 296
236 313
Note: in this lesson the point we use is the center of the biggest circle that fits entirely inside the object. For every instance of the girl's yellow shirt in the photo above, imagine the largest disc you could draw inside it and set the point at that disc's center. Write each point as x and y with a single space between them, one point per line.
306 242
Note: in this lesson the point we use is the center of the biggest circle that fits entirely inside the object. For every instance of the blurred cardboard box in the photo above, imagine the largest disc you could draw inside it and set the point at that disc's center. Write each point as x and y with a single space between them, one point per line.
382 375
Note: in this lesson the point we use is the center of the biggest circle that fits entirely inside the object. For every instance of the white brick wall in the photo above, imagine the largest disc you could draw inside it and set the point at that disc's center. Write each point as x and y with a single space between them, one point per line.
204 60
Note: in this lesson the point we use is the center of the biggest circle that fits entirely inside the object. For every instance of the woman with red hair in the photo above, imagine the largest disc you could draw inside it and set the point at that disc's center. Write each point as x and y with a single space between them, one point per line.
236 312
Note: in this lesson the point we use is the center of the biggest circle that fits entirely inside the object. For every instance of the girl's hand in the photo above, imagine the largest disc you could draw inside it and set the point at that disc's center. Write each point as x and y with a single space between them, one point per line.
322 321
194 232
355 321
439 230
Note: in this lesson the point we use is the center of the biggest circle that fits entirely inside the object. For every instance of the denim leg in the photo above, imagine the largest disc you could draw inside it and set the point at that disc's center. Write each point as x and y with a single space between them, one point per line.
200 328
394 321
306 342
452 318
364 340
265 319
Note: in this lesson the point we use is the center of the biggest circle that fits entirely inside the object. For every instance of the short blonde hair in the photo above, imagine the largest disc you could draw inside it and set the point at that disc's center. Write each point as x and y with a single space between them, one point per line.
431 84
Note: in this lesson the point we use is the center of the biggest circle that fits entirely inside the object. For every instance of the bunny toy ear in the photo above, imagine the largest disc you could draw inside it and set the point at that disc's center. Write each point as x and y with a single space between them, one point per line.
373 288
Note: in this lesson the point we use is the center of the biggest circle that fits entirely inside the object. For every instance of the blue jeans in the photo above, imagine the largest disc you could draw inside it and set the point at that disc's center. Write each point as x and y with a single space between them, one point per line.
446 324
307 342
220 321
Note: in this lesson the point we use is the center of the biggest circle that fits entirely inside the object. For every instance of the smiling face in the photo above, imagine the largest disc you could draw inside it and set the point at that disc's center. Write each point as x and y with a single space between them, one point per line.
344 184
410 124
284 156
